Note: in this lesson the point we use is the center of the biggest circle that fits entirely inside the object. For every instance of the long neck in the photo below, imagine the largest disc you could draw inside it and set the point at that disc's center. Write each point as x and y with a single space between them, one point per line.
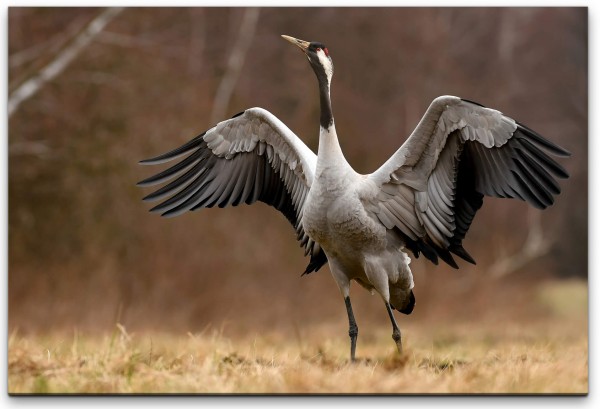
326 119
330 152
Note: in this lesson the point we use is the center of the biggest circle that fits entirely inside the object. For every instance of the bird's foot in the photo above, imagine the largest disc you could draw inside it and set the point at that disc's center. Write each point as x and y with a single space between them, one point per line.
399 347
361 361
398 340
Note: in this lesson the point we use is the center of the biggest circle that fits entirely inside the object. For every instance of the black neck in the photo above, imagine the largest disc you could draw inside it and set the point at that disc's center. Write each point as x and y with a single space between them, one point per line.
326 114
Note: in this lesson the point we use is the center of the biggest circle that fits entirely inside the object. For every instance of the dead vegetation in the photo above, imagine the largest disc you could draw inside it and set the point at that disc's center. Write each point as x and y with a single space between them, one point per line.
546 356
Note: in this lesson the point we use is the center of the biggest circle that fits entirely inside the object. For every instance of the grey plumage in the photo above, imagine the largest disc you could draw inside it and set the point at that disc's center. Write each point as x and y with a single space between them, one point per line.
459 152
242 160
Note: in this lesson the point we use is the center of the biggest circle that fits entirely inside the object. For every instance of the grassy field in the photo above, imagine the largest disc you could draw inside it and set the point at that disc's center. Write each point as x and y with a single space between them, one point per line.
543 356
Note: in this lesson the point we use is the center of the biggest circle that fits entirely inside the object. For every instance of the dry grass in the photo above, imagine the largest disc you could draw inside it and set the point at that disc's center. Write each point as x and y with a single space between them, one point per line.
544 356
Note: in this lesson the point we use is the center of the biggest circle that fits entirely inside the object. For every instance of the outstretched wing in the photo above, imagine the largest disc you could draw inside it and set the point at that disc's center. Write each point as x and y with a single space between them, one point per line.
252 156
431 188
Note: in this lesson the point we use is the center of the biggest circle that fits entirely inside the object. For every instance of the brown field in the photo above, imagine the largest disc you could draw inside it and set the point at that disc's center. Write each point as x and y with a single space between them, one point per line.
548 355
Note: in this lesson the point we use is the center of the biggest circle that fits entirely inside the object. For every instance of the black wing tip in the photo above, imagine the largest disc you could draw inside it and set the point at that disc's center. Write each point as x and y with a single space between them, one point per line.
146 182
447 258
529 195
316 262
157 160
153 197
312 267
460 251
473 102
151 161
183 149
238 114
440 252
551 146
564 153
171 213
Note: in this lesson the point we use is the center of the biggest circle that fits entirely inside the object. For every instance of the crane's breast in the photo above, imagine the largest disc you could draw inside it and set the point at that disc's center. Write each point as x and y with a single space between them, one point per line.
339 222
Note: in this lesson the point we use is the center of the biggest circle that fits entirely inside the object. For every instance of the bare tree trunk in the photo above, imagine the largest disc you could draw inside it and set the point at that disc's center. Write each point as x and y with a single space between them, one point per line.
235 63
51 45
197 41
535 246
62 60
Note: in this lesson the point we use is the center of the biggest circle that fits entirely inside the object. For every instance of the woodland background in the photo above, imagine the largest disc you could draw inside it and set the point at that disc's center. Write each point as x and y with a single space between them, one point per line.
83 250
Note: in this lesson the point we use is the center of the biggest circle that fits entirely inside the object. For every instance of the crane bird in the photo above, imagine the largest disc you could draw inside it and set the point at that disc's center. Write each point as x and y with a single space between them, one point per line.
422 200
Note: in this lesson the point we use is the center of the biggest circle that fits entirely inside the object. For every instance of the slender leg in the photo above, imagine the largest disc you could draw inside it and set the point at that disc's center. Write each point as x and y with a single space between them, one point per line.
396 331
353 331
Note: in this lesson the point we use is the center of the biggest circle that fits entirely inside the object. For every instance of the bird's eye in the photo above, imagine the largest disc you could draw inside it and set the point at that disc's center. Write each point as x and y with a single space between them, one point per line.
318 49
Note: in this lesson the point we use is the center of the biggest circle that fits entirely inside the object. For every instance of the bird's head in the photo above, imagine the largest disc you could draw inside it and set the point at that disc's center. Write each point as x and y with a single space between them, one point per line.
318 56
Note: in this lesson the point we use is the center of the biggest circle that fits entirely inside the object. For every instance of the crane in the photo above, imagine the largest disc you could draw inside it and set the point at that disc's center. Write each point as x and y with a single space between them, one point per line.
422 200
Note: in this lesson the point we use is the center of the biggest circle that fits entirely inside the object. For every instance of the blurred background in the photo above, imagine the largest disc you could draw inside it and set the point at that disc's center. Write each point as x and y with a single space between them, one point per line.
93 91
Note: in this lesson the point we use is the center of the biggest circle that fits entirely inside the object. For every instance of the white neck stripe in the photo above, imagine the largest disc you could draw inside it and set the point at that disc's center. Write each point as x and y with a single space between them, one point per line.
326 63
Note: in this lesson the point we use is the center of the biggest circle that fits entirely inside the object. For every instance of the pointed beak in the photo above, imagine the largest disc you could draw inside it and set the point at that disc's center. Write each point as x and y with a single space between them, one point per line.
303 45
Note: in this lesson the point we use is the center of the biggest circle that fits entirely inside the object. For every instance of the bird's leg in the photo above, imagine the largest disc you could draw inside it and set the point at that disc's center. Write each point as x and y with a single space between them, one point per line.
395 330
353 331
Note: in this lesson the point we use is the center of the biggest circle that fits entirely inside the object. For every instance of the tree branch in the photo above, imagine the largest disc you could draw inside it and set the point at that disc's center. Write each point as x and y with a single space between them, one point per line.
535 246
62 60
235 63
51 45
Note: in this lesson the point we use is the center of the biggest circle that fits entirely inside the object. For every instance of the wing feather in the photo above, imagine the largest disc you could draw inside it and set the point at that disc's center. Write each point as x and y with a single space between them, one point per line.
250 157
459 152
175 153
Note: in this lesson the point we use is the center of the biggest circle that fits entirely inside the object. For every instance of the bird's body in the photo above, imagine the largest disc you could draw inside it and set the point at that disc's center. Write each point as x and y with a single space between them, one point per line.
421 201
357 245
